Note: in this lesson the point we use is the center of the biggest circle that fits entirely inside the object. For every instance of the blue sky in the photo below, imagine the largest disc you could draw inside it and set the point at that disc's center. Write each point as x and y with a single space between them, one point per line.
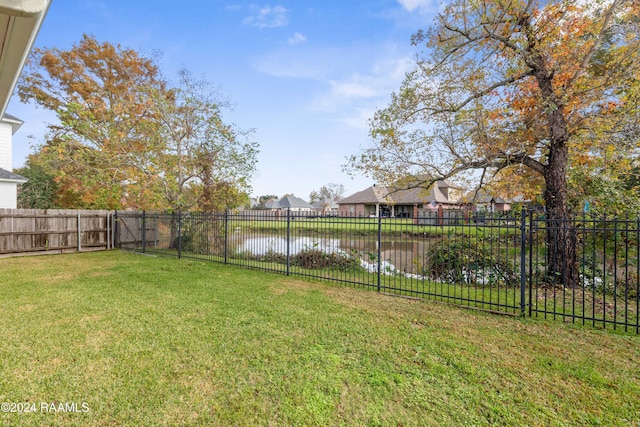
305 74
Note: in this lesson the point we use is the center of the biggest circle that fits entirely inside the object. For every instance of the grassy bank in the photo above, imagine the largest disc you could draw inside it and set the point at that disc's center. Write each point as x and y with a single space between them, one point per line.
368 227
156 341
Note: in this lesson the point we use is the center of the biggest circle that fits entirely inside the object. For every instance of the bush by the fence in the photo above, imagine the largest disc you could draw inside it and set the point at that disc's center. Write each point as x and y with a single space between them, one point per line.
458 261
316 259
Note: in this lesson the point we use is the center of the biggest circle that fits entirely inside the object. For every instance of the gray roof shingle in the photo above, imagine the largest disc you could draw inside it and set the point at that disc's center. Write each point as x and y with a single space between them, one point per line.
383 195
288 201
293 202
5 175
372 194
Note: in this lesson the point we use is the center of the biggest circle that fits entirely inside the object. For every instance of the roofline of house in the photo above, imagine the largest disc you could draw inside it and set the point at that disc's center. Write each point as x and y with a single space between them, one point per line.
13 121
15 181
24 20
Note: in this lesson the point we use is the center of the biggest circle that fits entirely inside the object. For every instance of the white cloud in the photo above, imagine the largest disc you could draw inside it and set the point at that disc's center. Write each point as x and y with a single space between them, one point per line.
359 118
359 91
350 82
355 88
422 6
267 17
297 38
233 7
306 64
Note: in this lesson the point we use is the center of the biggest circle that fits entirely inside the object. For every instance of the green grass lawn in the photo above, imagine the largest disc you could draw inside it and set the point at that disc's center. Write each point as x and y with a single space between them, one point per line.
147 341
367 226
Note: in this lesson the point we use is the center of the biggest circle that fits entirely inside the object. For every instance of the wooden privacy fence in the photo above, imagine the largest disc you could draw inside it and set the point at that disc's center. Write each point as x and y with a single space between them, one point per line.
54 230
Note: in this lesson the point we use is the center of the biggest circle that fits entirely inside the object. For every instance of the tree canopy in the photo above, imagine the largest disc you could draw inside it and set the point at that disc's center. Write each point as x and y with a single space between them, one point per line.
39 192
525 91
128 138
262 201
522 90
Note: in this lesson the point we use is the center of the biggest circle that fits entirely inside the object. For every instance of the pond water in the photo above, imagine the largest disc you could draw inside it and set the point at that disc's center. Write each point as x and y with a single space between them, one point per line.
397 257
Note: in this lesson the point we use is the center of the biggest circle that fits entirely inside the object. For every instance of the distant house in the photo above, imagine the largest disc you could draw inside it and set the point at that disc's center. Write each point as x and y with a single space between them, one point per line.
377 200
20 22
484 201
290 203
327 206
491 204
8 180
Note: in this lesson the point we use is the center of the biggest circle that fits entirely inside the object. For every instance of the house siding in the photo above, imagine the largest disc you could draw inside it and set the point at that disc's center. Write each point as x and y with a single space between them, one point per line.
5 146
353 209
8 195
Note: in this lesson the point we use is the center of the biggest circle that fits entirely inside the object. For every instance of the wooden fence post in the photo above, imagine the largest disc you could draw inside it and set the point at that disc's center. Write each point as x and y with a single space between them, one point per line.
79 233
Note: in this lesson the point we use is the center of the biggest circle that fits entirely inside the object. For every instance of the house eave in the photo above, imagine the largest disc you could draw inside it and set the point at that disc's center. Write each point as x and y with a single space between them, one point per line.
13 121
20 21
14 181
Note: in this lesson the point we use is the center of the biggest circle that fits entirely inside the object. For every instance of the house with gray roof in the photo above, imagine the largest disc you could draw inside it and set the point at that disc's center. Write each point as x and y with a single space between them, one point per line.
404 203
326 206
8 180
484 201
289 202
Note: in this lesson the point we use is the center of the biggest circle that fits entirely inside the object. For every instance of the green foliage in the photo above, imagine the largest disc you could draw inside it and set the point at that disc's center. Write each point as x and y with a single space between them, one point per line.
128 138
462 261
270 257
201 237
40 191
207 162
308 258
316 259
609 195
518 91
601 276
262 201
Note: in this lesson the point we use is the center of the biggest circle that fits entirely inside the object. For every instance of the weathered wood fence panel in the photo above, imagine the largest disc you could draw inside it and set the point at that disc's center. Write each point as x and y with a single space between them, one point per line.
132 231
54 230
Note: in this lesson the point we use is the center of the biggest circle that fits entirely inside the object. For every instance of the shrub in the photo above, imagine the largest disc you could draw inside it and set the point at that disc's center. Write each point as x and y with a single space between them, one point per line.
200 237
458 261
316 259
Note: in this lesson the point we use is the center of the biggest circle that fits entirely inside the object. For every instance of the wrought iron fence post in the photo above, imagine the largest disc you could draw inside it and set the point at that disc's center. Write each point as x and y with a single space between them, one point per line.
379 247
523 259
288 241
179 234
226 234
531 229
144 231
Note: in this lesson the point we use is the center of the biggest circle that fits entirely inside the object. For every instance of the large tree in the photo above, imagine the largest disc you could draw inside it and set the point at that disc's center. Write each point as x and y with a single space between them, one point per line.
262 201
126 138
100 143
328 191
208 161
515 87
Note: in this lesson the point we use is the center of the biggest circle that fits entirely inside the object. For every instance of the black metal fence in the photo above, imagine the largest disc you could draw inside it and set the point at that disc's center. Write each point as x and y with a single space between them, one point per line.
503 263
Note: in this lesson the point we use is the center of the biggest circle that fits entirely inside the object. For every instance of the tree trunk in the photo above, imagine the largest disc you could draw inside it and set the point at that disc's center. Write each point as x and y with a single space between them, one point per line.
560 233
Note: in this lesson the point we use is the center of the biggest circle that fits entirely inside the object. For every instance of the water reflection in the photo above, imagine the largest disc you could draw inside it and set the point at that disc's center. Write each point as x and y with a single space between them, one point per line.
405 257
265 244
